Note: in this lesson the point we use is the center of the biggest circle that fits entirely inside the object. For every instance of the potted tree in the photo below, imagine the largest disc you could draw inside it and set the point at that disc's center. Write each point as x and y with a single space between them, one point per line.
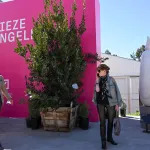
83 116
34 119
34 115
55 62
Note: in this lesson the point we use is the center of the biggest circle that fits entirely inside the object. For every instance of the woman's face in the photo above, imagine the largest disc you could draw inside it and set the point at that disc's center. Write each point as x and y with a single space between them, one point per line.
102 73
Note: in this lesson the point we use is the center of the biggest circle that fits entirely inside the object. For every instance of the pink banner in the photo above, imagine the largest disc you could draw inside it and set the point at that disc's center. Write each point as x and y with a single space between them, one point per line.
16 21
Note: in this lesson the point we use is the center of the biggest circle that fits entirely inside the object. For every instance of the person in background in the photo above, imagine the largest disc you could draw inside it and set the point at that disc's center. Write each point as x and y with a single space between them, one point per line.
108 99
4 92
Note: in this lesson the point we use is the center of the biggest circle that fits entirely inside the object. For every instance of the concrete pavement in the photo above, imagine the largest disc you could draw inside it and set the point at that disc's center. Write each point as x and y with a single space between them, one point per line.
14 135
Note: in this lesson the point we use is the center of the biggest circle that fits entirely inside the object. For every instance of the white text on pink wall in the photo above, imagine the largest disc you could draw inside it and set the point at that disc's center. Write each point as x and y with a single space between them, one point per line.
12 29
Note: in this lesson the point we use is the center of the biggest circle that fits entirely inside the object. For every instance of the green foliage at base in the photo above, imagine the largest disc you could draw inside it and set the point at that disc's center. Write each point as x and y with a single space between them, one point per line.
135 114
83 111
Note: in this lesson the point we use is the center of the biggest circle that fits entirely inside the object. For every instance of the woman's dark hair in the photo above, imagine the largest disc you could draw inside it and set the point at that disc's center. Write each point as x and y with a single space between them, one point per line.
103 67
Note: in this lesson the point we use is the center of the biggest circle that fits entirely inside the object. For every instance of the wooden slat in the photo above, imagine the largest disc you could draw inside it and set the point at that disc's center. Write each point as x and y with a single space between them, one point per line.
63 119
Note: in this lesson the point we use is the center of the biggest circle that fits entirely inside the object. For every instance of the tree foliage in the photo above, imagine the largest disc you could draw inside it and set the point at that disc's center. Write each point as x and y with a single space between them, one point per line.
137 55
107 52
55 60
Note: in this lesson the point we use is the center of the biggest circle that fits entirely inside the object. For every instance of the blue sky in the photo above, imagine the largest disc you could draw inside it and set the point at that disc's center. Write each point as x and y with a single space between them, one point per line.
125 25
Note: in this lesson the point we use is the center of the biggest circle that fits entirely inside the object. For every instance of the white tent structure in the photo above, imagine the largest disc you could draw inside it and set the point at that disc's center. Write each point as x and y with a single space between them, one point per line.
126 73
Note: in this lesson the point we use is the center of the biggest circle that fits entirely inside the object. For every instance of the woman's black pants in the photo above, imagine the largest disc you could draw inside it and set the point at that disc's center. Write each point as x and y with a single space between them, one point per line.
109 111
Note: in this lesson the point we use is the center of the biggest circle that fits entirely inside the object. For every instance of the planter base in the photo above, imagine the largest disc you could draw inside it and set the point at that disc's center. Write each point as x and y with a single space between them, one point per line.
33 123
28 122
61 120
84 123
123 112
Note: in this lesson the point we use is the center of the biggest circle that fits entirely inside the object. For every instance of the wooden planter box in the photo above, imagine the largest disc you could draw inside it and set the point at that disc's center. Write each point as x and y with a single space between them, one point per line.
63 119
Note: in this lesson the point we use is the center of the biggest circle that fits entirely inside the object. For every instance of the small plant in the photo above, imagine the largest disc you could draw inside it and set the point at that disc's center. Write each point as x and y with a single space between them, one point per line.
83 119
124 106
83 111
137 113
34 110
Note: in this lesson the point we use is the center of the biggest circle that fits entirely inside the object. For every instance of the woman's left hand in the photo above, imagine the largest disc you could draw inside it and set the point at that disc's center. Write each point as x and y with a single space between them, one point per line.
117 108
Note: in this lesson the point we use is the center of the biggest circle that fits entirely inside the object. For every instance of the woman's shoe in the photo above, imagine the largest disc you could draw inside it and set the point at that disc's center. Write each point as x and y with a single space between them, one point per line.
104 145
112 142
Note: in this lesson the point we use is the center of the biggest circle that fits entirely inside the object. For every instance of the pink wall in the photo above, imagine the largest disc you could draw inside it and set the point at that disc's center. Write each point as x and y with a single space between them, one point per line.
18 15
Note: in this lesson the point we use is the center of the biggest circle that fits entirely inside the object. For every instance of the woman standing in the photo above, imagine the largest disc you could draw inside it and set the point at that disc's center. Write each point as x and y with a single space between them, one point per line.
108 99
3 91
